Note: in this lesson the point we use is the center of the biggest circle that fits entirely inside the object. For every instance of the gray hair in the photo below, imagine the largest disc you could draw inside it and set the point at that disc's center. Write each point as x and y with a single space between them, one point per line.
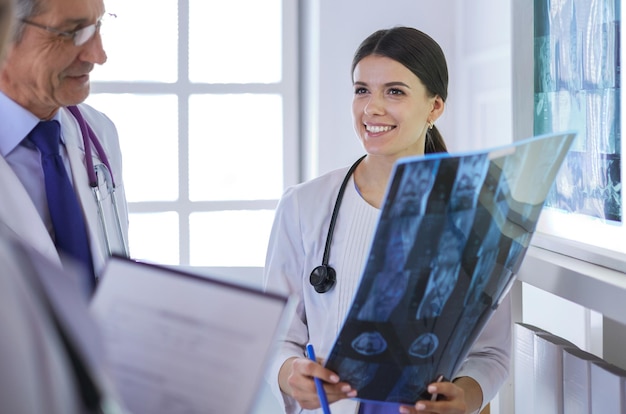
6 23
25 9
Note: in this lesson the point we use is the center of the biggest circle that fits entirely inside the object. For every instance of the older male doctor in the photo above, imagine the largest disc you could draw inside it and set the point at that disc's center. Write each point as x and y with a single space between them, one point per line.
46 71
51 354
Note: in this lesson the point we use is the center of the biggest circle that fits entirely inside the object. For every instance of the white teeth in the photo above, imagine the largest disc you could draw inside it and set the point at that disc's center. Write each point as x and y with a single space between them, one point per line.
376 129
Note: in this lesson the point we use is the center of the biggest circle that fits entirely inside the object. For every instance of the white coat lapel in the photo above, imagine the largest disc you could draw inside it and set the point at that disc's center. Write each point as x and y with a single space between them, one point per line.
76 153
19 214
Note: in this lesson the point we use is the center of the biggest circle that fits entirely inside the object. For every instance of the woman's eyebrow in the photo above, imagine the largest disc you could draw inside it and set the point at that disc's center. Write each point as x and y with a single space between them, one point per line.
388 84
397 83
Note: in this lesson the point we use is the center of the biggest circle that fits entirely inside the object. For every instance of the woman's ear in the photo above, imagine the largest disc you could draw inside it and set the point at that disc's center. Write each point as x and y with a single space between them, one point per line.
437 108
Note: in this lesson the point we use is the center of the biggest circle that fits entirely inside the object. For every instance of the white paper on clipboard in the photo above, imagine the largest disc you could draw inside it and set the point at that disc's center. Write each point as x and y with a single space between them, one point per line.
181 343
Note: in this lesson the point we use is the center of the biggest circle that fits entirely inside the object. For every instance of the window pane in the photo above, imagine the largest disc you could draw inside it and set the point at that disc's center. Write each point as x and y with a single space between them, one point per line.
154 237
140 45
230 238
235 147
242 49
149 148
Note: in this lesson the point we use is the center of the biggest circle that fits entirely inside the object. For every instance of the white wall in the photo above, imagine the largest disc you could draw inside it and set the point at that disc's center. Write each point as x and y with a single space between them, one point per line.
482 82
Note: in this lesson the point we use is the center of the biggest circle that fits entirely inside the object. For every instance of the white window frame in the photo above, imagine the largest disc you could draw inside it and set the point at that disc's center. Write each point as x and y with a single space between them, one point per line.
287 88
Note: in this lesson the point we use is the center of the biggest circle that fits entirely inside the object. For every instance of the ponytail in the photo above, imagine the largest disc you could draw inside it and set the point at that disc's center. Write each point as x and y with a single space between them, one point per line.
434 142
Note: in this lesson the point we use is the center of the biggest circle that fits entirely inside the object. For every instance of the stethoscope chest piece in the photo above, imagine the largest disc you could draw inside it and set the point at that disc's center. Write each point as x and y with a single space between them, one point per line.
323 278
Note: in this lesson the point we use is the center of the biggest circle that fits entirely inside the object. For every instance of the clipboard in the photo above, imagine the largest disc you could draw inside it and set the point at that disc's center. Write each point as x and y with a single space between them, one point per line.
183 343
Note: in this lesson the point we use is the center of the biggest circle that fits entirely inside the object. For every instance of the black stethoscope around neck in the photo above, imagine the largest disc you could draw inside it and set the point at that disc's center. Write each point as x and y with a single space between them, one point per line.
324 277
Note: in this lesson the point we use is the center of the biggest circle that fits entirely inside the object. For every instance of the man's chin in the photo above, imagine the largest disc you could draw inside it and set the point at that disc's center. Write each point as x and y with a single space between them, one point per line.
76 96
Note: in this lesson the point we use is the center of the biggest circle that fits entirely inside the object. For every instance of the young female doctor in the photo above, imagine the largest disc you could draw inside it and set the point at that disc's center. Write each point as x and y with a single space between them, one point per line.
400 83
55 45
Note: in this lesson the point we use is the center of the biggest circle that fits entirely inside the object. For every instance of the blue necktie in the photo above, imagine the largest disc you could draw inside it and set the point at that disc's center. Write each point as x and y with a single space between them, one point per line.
67 217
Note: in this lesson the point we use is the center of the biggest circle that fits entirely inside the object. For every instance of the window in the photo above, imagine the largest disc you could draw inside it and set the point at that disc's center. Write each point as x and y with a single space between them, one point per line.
204 96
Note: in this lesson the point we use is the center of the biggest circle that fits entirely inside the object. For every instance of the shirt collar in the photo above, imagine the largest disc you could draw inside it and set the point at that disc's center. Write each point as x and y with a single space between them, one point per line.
17 122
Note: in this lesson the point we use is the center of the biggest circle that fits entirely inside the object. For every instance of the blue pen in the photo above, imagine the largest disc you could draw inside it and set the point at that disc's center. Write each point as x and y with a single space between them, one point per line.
318 382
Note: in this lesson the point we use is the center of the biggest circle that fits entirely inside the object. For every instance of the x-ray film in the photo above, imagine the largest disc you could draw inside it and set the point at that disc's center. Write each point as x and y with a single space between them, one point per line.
577 86
451 236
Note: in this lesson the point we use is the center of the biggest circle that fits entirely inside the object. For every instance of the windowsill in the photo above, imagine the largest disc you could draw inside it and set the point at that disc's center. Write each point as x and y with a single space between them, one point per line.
593 286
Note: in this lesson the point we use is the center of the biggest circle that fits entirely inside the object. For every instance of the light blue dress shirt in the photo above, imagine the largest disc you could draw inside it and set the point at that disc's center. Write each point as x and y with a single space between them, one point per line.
22 156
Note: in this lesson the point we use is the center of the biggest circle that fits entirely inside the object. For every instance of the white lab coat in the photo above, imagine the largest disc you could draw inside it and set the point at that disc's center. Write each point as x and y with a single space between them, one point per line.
19 213
296 247
36 374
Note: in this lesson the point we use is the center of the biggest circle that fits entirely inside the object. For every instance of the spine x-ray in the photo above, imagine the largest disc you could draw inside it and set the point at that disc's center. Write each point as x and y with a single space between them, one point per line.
451 235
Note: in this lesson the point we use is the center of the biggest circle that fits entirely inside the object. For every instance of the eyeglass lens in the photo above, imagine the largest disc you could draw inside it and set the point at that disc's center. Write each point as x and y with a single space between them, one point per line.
83 35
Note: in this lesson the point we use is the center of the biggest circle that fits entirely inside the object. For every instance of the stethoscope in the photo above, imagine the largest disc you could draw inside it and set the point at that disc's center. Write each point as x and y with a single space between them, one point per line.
104 169
324 277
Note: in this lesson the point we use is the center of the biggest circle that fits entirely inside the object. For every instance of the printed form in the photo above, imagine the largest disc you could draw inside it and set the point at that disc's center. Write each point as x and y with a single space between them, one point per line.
181 343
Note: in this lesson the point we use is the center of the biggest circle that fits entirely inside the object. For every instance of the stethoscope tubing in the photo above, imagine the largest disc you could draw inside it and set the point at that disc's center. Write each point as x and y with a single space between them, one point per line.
89 137
335 214
324 277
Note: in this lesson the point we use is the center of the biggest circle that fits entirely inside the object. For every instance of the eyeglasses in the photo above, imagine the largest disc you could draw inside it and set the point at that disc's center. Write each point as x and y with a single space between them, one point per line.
78 36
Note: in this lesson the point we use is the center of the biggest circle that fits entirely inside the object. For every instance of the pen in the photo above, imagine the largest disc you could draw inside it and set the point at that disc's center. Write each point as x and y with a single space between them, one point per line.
318 382
434 396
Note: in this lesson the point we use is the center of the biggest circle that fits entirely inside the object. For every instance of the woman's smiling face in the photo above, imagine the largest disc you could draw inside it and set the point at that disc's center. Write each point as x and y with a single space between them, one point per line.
391 108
